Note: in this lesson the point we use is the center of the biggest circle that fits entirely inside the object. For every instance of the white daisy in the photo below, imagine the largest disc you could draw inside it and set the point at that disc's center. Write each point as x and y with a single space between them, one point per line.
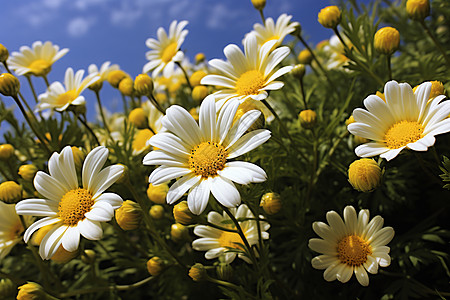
11 228
404 120
166 50
37 61
154 116
60 97
197 154
336 52
72 210
105 68
351 246
228 244
274 31
248 75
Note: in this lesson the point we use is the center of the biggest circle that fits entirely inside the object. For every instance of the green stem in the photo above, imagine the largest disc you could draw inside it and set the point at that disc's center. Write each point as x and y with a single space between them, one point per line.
185 75
388 59
102 114
224 283
125 105
220 227
156 104
282 126
46 80
261 13
16 280
302 89
86 125
32 88
331 152
435 41
313 56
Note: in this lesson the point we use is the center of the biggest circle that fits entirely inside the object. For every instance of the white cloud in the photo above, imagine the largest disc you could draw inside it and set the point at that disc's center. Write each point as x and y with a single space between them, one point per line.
79 26
221 16
52 3
84 4
126 15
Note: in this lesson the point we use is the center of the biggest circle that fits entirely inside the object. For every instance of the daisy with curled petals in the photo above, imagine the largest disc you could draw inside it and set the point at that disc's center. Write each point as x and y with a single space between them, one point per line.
72 210
60 97
403 120
352 245
166 50
198 154
37 61
11 228
228 244
248 75
274 31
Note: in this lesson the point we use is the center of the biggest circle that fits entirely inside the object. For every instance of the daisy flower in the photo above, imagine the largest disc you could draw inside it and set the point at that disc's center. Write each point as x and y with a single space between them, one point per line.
335 51
11 228
274 31
198 154
105 68
352 245
166 50
72 210
37 61
403 120
59 97
248 75
154 116
228 244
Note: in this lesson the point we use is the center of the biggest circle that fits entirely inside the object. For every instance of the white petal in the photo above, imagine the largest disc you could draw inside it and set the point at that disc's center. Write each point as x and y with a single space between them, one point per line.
93 164
249 142
182 124
391 153
101 211
180 187
243 172
158 157
71 239
323 261
225 192
91 230
241 125
362 276
49 187
336 223
198 197
113 199
370 149
170 143
225 119
38 224
105 179
51 241
207 118
37 207
322 246
163 174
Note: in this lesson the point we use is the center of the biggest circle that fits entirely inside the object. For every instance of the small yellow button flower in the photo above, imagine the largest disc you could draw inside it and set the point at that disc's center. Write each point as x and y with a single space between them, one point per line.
9 85
199 93
364 174
129 215
305 57
138 118
157 212
308 118
298 71
126 86
143 84
27 172
271 203
329 16
115 77
196 77
157 193
182 214
10 192
4 54
155 265
387 40
6 151
199 57
418 9
259 4
198 272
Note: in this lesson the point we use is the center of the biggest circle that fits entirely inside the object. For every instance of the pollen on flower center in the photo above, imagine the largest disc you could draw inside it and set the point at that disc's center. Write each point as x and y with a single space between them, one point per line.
40 67
207 158
353 250
169 52
231 240
402 133
250 83
67 97
74 205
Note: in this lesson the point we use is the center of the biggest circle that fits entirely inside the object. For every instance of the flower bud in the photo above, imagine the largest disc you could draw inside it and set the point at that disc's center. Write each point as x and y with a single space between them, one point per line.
129 215
6 151
157 212
308 118
27 172
32 291
157 193
115 77
364 174
63 256
4 54
418 9
437 88
198 272
350 120
178 232
88 256
259 4
138 118
9 85
96 86
196 77
329 16
143 84
199 57
298 30
271 203
305 57
7 287
10 192
78 157
126 86
182 214
298 71
387 40
155 265
199 93
249 105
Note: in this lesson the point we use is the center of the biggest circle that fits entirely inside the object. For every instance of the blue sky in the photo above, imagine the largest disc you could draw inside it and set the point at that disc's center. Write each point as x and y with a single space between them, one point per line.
116 30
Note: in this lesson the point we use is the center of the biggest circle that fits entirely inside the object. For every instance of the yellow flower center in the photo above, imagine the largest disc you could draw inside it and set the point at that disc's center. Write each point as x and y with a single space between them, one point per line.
273 37
231 240
170 51
402 133
207 158
67 97
40 67
250 83
353 250
74 205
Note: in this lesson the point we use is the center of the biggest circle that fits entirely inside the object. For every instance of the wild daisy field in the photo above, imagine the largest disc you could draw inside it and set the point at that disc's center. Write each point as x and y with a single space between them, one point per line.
285 170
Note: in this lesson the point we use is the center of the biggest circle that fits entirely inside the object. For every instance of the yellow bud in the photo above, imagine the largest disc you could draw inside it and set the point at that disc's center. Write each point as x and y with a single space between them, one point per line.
161 97
196 77
305 57
126 86
138 118
298 71
96 86
178 232
199 57
9 85
129 215
387 40
31 291
364 174
4 54
157 212
6 151
322 45
27 172
249 105
271 203
259 4
88 256
198 272
143 84
115 77
155 265
418 9
7 288
157 193
437 88
78 157
10 192
182 214
38 235
63 256
329 16
194 113
199 93
350 120
308 118
174 87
